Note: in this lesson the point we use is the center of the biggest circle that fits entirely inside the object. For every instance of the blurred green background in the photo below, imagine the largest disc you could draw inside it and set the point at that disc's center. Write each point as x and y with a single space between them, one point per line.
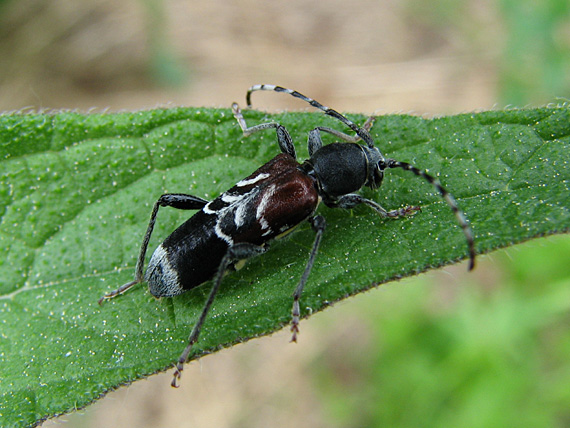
447 349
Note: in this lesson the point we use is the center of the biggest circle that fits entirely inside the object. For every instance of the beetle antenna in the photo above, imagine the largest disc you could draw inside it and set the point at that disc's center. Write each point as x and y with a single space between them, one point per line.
362 133
391 163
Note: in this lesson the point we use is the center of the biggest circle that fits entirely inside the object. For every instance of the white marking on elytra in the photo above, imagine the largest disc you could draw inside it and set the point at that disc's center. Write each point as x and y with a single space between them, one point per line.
265 200
220 234
170 284
208 210
264 226
237 210
240 214
230 199
239 206
247 182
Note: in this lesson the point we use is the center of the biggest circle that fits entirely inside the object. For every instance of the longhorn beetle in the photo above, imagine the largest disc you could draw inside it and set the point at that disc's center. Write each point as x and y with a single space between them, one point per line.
281 194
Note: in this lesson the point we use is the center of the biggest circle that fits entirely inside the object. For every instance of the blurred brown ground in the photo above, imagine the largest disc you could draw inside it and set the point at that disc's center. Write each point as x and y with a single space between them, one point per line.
360 56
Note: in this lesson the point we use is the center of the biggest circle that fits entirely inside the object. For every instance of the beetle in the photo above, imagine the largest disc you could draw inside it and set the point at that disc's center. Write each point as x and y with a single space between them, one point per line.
274 199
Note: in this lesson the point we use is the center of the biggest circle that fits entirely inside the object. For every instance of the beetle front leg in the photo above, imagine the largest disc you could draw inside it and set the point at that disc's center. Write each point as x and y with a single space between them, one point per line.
175 200
352 199
236 252
319 225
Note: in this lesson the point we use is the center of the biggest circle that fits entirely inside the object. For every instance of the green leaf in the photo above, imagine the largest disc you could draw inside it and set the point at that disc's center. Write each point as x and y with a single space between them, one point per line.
76 193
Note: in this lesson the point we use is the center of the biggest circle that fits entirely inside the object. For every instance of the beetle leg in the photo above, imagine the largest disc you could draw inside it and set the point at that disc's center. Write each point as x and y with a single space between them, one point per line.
319 224
283 137
174 200
315 142
239 251
352 199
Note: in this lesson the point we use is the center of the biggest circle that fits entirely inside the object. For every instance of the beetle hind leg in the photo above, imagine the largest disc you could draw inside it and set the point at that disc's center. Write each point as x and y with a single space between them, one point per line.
118 291
236 252
319 225
175 200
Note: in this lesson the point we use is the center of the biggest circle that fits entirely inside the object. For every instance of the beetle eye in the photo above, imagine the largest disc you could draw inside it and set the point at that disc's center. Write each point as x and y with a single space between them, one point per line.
375 178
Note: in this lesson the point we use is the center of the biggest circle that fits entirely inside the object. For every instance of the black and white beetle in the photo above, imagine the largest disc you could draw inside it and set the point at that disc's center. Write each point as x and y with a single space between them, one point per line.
274 199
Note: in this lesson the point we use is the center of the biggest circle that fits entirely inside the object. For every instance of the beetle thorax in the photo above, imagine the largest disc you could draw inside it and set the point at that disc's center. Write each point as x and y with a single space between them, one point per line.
339 169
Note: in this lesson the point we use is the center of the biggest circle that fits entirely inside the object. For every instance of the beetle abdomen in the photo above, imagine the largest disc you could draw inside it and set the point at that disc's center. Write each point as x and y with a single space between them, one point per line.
187 258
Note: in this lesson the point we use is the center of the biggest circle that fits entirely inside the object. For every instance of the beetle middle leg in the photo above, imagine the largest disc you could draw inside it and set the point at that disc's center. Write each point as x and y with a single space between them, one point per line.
179 201
315 142
234 253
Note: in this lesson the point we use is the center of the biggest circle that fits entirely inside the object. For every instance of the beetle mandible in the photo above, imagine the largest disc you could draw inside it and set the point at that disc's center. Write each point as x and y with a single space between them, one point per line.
281 194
